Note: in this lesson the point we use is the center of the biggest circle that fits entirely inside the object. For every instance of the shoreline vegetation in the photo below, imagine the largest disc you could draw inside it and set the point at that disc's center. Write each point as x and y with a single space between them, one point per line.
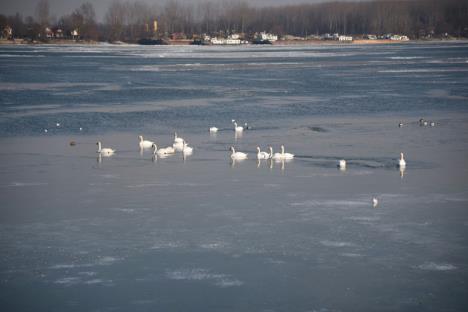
223 23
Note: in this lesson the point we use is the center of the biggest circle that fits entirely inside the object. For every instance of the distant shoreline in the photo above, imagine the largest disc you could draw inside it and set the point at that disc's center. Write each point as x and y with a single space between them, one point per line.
358 41
276 43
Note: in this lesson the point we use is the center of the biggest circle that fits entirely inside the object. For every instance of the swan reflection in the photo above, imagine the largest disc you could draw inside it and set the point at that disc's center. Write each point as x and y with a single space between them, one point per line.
237 135
234 162
280 161
402 172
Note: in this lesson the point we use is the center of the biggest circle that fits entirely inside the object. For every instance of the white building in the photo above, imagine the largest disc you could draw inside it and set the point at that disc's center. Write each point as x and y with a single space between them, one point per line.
225 41
232 41
264 36
59 33
345 38
7 32
49 33
74 33
216 41
399 38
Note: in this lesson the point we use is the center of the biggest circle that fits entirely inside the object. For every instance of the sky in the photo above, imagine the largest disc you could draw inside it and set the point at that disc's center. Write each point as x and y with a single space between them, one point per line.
62 7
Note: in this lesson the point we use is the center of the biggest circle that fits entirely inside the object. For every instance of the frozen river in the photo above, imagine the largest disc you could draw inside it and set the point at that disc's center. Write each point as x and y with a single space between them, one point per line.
133 233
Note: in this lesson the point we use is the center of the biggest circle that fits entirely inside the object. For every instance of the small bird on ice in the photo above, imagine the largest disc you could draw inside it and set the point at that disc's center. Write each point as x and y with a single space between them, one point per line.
375 202
402 161
58 124
342 164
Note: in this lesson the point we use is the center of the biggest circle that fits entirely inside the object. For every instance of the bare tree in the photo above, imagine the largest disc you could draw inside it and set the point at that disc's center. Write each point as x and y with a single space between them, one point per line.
88 28
42 12
115 21
42 15
133 20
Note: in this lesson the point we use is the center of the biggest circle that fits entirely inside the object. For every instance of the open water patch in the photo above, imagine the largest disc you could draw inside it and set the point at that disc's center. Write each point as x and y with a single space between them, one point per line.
432 266
199 274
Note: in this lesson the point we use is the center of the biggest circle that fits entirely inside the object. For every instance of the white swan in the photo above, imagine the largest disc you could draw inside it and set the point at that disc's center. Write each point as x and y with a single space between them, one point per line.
275 156
145 143
104 151
237 155
213 129
170 150
238 128
262 155
162 151
342 164
375 202
187 150
179 145
286 155
402 162
177 139
155 148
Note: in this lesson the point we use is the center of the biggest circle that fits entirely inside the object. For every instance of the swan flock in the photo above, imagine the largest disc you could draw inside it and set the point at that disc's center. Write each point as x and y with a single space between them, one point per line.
180 145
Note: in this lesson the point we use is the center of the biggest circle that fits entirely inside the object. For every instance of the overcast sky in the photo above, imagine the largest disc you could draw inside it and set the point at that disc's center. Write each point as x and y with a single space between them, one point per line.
61 7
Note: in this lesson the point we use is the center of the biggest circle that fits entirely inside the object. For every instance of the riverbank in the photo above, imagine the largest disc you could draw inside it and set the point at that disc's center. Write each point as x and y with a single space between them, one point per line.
189 42
315 42
51 42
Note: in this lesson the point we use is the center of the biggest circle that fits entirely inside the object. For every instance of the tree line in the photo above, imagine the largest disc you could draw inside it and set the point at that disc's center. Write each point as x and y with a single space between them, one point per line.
130 21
